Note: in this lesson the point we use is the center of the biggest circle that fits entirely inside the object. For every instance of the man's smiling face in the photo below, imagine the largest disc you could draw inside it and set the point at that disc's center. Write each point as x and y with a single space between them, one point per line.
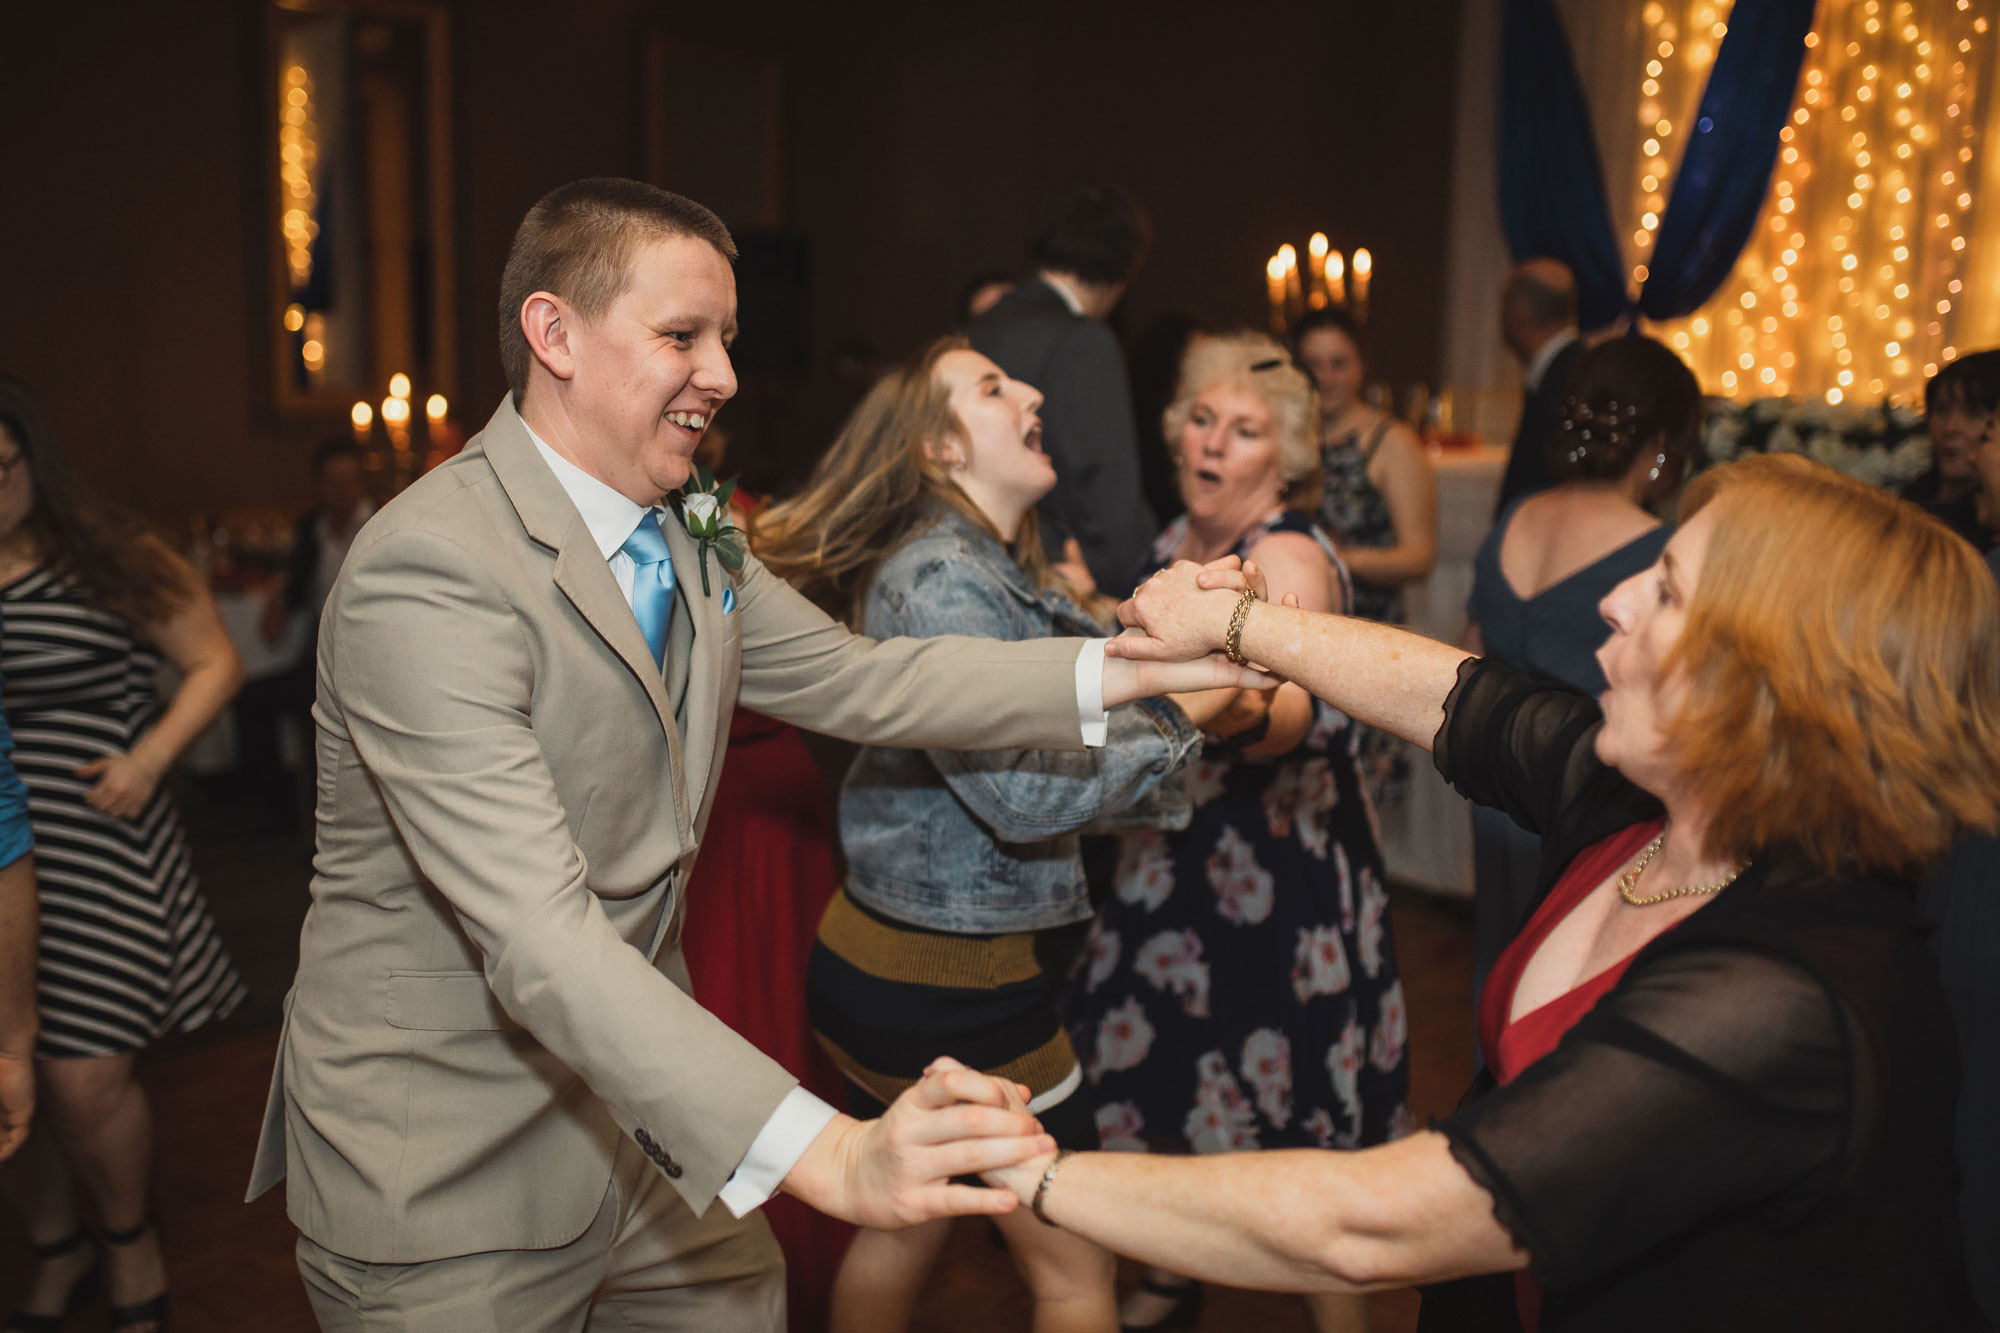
651 372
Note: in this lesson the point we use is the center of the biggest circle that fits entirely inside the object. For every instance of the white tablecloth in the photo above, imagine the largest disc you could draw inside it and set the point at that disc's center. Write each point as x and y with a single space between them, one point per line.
214 751
1428 842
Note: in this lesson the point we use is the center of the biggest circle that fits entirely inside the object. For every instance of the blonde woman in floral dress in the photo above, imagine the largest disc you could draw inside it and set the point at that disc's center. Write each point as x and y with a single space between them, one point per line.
1239 990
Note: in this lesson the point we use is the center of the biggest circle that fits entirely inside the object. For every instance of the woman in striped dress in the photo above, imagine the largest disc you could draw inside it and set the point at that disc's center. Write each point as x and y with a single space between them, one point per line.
128 952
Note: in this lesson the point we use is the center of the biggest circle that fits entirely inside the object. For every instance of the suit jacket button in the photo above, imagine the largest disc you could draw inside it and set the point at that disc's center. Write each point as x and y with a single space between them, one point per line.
671 1167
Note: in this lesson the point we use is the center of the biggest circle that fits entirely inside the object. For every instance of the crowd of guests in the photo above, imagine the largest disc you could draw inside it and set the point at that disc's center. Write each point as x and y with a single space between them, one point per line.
1716 1024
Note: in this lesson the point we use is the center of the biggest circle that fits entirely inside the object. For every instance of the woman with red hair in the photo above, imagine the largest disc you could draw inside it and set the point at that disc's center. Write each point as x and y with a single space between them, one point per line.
1721 1064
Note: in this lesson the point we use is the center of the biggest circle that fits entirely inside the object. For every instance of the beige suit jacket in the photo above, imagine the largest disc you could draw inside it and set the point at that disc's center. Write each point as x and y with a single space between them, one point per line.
510 795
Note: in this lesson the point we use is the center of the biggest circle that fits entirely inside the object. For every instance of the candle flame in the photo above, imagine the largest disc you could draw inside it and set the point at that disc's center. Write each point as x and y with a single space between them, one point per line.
1288 256
1364 263
1316 247
1274 269
395 411
1336 267
363 416
435 407
399 386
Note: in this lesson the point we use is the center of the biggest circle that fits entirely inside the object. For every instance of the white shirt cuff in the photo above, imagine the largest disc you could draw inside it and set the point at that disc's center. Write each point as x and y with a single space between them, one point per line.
776 1149
1090 714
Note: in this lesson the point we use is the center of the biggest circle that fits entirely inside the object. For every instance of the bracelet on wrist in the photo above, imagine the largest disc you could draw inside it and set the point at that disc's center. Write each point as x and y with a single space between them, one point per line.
1035 1206
1232 643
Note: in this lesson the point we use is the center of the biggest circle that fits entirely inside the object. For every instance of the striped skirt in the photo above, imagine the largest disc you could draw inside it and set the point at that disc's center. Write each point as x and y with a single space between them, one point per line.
129 952
886 998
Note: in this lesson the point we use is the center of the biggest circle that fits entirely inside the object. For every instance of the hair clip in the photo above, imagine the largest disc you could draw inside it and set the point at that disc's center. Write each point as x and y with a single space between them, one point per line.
1269 363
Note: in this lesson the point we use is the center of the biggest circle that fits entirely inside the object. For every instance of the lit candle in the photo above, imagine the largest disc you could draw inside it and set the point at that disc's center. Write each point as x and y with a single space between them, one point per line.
1316 292
1336 278
1364 266
1294 297
399 387
363 416
396 420
1274 285
435 408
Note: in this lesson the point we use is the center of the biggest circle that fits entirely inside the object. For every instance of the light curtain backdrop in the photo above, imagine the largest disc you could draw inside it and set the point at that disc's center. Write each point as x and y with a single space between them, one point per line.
1897 104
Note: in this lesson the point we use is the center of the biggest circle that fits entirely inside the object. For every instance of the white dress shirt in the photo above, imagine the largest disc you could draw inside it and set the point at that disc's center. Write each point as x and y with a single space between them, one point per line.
1061 287
610 516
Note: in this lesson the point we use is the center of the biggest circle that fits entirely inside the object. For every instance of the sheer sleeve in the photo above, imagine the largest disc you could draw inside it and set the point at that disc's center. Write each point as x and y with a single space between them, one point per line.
1716 1078
1521 746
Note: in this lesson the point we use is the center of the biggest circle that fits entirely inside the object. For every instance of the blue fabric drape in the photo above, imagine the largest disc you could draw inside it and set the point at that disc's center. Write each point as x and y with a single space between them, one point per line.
1552 199
1726 166
1552 195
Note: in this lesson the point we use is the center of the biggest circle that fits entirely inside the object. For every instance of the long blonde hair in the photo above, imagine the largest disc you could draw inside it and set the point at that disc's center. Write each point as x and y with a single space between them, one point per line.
876 488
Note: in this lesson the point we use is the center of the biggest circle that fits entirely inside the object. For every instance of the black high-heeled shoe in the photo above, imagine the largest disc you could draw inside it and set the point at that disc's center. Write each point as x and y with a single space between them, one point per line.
81 1291
1185 1312
153 1310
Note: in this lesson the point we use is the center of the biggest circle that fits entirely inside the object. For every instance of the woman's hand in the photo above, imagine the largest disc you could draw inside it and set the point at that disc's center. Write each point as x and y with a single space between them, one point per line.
1232 576
1076 572
1250 708
1178 614
896 1171
1204 706
125 784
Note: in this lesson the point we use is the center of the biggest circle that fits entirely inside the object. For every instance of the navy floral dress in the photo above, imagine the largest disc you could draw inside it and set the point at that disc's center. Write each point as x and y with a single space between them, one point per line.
1239 989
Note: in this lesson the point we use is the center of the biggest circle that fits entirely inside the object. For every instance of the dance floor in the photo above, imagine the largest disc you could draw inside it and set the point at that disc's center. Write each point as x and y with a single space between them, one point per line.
232 1262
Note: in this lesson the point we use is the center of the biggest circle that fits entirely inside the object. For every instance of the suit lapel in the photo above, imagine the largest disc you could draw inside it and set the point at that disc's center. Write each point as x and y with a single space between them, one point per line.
583 577
694 657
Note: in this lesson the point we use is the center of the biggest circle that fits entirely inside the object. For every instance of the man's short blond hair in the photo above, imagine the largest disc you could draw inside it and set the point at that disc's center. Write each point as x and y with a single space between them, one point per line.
577 242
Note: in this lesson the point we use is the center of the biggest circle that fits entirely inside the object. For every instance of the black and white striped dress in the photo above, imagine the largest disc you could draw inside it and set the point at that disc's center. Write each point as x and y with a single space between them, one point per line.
129 953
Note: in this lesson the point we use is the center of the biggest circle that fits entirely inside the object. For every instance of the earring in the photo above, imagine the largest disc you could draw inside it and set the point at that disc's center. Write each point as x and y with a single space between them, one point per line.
1659 464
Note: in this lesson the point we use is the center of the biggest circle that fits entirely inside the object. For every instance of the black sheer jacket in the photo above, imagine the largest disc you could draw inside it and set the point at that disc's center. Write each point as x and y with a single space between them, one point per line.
1753 1129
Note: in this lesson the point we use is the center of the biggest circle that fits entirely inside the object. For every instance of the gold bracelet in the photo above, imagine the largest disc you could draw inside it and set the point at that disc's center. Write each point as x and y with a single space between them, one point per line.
1233 642
1048 1179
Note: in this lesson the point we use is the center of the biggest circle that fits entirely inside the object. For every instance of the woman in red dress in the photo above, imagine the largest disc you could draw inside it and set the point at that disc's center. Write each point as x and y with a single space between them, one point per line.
1723 1066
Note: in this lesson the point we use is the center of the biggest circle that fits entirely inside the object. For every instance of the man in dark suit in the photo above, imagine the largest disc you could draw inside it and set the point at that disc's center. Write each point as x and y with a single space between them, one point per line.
1050 332
1538 320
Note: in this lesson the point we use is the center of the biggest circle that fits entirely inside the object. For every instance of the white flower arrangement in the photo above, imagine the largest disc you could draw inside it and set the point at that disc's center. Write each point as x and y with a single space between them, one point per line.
1883 444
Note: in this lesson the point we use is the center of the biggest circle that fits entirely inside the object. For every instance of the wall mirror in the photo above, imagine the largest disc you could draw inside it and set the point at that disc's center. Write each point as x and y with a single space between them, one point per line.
359 231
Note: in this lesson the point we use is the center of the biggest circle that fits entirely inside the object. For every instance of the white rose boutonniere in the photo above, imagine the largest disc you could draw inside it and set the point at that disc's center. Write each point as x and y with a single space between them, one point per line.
703 509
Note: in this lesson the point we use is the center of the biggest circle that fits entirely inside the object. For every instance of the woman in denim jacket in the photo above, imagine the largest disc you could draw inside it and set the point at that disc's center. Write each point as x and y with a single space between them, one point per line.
965 901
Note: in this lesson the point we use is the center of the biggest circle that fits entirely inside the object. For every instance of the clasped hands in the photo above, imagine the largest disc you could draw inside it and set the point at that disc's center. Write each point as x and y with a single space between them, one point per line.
896 1170
1182 613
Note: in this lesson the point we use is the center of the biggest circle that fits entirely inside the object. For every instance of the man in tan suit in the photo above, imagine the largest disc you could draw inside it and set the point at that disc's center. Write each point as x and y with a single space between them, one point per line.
497 1104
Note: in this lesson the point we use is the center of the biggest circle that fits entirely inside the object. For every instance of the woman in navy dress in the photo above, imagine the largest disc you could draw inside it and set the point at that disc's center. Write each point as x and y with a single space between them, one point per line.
1240 989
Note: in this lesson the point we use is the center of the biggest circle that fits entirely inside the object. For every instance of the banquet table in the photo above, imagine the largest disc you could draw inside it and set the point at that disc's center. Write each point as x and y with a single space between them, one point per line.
1428 841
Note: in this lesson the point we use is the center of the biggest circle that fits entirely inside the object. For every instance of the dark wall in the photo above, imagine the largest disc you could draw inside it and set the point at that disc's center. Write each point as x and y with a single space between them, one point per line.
919 146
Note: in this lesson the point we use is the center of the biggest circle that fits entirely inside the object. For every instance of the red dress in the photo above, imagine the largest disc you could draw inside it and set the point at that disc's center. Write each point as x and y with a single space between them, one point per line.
765 875
1517 1043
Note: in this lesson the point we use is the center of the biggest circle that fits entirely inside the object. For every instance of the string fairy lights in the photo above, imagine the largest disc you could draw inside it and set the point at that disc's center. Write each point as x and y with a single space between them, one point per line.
298 186
1848 285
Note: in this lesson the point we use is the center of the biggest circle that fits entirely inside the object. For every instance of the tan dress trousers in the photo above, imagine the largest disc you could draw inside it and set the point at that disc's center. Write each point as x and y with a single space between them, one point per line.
646 1264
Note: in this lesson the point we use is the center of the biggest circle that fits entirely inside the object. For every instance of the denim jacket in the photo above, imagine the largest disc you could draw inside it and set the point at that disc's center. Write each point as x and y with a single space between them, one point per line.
985 842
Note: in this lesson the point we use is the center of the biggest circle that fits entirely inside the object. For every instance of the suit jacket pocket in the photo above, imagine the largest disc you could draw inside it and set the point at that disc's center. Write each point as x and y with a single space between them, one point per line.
445 1002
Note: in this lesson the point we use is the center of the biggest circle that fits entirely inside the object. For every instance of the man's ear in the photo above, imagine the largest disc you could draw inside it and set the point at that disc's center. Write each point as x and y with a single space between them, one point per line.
545 322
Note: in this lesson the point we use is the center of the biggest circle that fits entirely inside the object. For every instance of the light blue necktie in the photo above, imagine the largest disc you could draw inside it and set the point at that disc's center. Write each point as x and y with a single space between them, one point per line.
652 583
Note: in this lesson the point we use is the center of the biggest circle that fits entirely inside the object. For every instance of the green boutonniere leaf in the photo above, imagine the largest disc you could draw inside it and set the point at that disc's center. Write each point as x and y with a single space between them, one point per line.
729 550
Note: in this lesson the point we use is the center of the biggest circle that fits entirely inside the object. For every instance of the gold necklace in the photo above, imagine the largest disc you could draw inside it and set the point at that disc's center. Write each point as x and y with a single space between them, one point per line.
1630 879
